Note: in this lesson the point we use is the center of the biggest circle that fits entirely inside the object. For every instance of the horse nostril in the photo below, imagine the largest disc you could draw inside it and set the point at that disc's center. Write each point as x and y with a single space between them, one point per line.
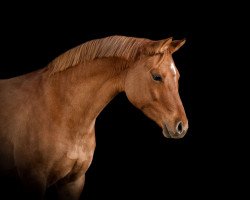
179 127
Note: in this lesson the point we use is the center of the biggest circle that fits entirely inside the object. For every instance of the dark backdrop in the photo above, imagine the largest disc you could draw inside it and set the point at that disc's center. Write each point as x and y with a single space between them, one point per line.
132 158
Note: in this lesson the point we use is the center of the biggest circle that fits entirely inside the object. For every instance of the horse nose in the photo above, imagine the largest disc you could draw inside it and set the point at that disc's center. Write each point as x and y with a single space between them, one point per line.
179 128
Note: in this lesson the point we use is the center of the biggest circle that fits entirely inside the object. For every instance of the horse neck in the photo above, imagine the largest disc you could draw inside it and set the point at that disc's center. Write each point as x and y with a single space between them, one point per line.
83 91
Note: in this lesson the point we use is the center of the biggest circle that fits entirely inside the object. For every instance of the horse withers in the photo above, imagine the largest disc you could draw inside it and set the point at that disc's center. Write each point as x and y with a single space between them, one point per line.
47 117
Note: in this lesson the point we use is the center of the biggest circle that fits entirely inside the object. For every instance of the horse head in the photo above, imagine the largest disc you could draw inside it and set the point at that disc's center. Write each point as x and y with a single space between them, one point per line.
151 84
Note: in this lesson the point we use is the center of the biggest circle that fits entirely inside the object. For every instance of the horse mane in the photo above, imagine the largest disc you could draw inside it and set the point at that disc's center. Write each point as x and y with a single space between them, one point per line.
113 46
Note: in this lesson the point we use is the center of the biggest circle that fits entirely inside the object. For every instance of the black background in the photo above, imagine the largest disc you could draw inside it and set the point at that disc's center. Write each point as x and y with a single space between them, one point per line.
132 158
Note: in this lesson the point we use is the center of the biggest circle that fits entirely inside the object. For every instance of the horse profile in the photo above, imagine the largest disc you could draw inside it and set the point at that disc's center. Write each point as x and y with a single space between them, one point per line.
47 117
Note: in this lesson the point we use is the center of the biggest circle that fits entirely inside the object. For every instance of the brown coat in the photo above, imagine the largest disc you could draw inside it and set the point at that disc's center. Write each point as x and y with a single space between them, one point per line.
47 117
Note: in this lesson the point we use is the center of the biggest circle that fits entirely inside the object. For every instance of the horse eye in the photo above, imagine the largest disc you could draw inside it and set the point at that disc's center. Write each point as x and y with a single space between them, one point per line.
156 77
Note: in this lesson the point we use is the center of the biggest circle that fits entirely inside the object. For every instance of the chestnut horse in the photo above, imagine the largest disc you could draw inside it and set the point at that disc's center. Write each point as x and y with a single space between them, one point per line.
47 117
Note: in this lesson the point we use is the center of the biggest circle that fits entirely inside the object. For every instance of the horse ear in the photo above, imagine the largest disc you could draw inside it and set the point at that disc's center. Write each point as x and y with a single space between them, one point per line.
176 44
159 46
163 45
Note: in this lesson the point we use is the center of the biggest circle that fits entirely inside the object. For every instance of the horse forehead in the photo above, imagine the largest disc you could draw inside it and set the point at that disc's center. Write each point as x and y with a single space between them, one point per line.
172 67
168 65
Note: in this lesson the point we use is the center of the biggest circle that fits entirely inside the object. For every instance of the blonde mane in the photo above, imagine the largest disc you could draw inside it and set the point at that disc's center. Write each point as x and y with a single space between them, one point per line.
113 46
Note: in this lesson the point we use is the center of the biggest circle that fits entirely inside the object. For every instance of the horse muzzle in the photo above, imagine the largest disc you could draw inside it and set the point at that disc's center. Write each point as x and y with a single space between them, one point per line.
179 131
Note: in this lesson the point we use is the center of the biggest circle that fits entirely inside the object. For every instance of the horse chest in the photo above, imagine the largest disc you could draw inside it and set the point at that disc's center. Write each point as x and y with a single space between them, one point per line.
75 163
82 157
80 160
72 156
77 153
